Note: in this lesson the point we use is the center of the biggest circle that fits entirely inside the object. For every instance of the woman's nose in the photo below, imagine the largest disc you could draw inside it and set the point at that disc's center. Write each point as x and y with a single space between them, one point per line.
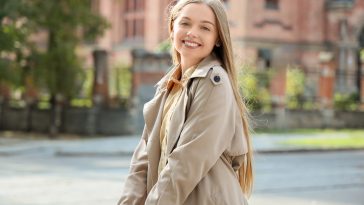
192 33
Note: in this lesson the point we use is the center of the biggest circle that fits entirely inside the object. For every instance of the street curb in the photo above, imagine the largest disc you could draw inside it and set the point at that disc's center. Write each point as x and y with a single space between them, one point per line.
130 153
306 150
91 154
21 151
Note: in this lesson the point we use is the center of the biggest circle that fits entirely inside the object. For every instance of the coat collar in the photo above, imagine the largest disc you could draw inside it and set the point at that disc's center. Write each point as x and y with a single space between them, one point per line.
200 72
204 66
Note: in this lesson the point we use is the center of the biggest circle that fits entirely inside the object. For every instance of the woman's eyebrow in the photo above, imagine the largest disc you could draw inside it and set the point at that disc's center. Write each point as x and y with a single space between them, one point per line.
203 21
185 17
209 22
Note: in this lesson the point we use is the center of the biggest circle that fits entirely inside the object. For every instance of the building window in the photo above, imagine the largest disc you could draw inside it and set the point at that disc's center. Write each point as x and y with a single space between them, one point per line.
134 29
134 5
139 5
127 29
139 28
272 4
264 60
134 20
340 3
129 5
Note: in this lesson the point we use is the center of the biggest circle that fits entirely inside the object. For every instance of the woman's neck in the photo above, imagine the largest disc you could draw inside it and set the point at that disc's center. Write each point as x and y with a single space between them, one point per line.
185 64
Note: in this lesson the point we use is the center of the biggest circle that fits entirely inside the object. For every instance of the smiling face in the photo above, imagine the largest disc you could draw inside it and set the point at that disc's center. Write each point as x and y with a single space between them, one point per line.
194 33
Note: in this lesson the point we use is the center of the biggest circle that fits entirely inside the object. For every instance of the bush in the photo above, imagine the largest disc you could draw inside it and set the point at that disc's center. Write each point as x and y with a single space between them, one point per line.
164 46
254 88
120 82
343 101
295 88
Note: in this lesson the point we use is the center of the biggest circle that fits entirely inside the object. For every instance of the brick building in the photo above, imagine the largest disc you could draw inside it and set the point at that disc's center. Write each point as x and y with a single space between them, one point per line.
267 33
134 24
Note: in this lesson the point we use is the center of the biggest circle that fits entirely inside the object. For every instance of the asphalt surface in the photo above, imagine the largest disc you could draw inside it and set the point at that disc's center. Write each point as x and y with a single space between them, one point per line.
65 172
317 178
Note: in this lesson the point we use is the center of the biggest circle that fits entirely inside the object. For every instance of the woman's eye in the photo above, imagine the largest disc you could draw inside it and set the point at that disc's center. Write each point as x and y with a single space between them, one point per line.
205 28
183 23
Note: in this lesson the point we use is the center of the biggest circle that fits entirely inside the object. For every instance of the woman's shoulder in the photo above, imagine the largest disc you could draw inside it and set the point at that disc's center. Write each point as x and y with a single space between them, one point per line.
212 71
218 77
215 84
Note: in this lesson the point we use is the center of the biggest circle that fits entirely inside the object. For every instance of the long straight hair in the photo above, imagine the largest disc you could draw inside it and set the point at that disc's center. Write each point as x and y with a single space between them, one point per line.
225 53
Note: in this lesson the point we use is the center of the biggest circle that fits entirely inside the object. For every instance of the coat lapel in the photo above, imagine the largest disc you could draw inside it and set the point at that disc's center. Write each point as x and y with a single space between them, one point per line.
177 121
153 119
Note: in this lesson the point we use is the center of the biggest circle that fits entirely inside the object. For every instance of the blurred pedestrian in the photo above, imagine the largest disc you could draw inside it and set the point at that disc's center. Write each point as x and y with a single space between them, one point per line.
195 147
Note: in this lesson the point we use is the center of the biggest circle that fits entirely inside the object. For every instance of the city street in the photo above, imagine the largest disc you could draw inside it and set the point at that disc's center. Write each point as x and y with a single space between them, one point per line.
322 178
44 177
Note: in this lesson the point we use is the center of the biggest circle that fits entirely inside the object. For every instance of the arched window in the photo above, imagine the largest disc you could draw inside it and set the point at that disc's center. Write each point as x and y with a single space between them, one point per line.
272 4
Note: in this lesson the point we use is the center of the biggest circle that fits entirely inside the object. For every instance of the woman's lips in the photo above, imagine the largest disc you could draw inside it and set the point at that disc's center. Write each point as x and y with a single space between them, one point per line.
191 44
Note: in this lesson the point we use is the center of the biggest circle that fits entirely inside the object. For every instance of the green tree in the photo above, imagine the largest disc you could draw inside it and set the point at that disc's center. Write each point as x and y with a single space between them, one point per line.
58 69
14 30
68 23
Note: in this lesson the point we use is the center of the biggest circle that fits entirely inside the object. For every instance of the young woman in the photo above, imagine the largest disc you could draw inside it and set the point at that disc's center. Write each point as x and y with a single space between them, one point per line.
195 148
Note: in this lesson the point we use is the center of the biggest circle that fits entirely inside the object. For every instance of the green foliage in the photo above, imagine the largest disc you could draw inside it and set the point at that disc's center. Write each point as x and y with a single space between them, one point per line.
9 73
11 36
14 30
84 89
328 142
87 83
255 88
44 102
361 55
59 68
309 105
165 46
344 101
120 81
81 102
295 88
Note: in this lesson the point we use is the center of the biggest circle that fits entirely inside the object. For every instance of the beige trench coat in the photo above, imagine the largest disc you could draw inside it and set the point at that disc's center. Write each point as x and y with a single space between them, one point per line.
205 142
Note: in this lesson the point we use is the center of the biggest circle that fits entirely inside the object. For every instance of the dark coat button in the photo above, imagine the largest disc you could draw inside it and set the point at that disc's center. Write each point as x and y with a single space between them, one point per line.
217 78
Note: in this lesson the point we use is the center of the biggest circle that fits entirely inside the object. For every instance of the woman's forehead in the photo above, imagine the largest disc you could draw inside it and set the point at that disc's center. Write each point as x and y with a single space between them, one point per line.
197 12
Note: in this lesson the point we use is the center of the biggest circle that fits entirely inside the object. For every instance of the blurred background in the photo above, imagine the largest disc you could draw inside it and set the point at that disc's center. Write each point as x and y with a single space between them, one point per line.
75 74
94 63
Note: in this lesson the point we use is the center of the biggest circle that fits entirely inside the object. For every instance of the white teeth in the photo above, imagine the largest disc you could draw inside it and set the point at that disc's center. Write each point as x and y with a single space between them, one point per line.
190 44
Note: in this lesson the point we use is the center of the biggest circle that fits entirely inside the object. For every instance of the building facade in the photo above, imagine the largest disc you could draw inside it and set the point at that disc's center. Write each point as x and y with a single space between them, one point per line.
266 33
134 24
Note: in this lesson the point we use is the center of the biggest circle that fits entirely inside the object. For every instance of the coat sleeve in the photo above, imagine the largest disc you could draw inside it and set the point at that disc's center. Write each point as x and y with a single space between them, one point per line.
208 130
135 190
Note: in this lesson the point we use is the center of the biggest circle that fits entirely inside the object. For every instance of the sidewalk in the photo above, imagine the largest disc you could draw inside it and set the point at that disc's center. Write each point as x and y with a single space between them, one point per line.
124 145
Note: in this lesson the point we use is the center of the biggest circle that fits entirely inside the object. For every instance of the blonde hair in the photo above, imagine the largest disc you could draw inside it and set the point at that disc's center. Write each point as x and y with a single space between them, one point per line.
225 53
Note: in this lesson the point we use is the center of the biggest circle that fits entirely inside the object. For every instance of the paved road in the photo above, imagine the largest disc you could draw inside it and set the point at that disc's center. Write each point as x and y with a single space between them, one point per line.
327 178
